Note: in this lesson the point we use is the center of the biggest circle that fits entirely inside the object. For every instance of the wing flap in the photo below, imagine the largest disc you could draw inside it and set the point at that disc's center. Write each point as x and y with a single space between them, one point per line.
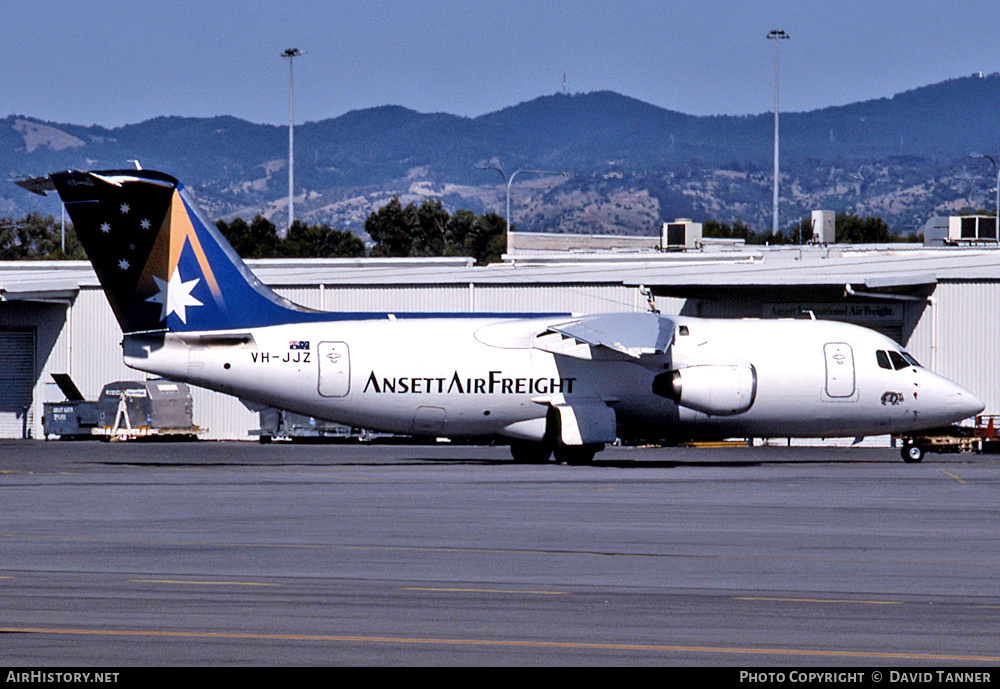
633 335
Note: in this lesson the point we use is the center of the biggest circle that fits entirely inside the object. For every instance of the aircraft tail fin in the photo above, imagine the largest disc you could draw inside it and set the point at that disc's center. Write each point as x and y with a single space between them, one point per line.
161 264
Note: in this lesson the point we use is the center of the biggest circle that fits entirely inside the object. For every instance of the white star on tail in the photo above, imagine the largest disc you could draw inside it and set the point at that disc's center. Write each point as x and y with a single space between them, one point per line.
175 296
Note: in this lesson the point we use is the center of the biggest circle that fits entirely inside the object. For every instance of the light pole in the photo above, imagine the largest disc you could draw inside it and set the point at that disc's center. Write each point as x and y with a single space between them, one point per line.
996 170
291 54
510 181
777 36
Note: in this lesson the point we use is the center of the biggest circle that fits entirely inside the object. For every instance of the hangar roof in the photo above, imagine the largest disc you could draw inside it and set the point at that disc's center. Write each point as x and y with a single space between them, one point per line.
871 267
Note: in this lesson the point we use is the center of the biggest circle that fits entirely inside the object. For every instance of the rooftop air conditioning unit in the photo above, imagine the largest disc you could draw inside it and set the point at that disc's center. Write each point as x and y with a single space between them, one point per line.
824 227
972 228
682 233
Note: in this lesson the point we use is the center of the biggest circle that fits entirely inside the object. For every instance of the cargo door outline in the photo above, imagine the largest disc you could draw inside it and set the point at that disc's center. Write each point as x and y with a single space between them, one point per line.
840 383
429 420
334 369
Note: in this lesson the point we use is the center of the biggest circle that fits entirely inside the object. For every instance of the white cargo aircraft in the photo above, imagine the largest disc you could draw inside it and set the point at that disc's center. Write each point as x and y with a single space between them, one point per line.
559 384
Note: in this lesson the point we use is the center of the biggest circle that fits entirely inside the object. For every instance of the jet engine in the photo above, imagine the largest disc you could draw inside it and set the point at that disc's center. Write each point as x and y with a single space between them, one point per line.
715 389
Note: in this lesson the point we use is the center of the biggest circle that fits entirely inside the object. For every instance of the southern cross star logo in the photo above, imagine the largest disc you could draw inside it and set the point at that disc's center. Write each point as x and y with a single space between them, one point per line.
175 296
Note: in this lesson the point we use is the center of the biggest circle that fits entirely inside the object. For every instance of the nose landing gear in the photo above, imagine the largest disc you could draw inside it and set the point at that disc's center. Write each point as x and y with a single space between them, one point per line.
912 453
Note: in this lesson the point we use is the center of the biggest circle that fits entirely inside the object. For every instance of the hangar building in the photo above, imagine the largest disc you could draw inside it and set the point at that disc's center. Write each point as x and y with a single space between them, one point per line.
940 303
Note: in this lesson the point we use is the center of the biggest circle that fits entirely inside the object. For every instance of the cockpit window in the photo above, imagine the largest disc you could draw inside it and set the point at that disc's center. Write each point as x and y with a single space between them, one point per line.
892 359
898 361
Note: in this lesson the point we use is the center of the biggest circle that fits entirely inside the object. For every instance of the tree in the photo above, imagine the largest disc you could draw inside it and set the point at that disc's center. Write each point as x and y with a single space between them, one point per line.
740 230
37 237
483 237
428 235
391 228
322 241
853 230
459 228
259 239
429 230
804 230
850 230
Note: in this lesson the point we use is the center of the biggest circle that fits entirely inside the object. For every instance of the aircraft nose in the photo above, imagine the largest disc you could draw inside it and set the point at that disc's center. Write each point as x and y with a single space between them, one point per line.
948 402
959 402
965 403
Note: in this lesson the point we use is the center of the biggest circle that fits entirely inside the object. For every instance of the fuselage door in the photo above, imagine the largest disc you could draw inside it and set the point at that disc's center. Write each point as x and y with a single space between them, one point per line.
334 369
428 420
839 370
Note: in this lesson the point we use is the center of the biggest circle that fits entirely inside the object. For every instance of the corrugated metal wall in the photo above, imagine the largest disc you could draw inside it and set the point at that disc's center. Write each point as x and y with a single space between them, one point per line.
92 345
41 323
956 336
17 380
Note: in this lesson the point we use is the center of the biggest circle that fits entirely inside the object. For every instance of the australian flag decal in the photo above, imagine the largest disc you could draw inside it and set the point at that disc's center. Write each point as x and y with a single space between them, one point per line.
299 344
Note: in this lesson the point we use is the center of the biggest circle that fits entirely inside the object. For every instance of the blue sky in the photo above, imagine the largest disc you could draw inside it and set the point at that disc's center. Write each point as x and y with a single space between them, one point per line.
111 62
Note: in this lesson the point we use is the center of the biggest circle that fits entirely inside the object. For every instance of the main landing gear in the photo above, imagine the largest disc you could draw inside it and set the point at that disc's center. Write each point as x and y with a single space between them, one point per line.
525 452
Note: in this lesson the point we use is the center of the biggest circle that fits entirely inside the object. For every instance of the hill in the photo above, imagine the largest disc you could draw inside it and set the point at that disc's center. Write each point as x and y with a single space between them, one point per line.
629 164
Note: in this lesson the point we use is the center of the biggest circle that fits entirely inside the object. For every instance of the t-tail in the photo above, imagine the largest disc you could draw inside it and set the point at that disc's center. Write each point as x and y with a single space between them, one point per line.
161 264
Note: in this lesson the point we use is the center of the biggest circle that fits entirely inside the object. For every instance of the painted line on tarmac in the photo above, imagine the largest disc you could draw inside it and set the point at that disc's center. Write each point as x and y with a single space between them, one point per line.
951 475
499 643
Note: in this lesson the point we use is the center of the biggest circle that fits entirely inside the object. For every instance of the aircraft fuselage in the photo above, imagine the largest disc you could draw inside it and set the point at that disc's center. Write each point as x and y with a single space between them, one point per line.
468 376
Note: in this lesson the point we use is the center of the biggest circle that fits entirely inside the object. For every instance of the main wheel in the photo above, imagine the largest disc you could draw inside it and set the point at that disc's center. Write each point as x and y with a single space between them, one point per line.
575 455
530 453
912 454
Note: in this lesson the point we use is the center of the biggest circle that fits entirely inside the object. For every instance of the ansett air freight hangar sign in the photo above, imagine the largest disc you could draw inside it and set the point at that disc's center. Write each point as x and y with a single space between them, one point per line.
865 313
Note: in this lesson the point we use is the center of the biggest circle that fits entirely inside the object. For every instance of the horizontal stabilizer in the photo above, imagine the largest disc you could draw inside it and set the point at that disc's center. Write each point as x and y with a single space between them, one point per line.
36 185
633 334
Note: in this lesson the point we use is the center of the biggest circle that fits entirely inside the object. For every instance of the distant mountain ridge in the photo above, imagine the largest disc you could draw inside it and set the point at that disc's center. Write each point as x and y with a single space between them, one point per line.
629 164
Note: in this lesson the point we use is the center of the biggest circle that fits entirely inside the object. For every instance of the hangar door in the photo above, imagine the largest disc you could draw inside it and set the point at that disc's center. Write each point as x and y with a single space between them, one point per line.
17 380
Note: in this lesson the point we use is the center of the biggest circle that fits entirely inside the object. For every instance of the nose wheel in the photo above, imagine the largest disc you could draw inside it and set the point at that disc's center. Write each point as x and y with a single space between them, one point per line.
912 453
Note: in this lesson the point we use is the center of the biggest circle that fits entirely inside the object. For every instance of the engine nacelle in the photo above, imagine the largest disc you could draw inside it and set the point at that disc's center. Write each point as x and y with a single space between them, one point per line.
715 389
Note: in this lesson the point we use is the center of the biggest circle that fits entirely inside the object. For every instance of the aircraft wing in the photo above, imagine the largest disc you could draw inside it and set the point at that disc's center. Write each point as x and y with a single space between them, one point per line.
633 335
